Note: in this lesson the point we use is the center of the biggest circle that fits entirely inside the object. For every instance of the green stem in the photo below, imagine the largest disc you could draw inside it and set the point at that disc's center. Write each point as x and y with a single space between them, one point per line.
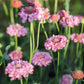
37 37
16 42
76 81
21 82
41 73
82 28
5 8
55 6
47 4
44 31
67 2
16 15
57 27
11 12
77 48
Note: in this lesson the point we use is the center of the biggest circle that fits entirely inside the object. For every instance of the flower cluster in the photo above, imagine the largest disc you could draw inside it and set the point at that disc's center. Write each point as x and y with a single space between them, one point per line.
41 59
17 69
55 42
66 79
16 30
77 37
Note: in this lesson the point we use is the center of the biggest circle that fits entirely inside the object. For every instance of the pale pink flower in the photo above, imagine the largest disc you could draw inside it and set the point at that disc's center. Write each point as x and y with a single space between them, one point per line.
35 3
55 42
54 18
41 59
80 17
77 37
16 30
63 13
66 79
70 20
17 69
15 55
27 13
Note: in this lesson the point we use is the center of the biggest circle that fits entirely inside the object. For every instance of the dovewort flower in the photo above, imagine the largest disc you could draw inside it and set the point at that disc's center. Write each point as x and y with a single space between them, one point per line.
41 59
35 3
15 55
66 79
16 29
54 18
55 42
17 69
70 20
77 37
17 3
77 74
63 13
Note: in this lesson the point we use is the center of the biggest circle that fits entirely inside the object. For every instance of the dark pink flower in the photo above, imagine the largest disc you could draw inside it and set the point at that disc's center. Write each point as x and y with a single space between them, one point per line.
41 59
55 42
17 69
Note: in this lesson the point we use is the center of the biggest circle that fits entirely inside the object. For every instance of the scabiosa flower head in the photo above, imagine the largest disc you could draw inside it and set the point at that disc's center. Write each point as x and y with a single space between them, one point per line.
17 69
55 42
77 74
35 3
15 55
80 17
16 29
54 18
77 37
27 13
17 3
63 13
41 59
66 79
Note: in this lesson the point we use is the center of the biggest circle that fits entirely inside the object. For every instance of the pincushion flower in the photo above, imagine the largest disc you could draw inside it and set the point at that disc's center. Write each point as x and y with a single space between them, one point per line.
80 17
15 55
77 37
35 3
55 42
77 74
41 59
16 29
70 20
17 69
54 18
66 79
63 13
17 3
27 13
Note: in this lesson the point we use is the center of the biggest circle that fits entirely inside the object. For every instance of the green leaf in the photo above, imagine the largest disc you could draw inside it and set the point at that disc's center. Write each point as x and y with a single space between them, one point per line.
1 57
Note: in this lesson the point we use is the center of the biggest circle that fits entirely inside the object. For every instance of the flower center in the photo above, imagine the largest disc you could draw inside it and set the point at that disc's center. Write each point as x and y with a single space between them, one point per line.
56 40
79 37
69 19
41 56
18 66
78 73
16 55
29 10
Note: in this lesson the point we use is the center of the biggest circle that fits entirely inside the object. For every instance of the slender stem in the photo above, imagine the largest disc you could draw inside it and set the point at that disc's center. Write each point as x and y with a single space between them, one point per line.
77 48
44 31
67 2
37 37
76 81
41 73
82 28
21 82
5 8
16 15
57 27
16 42
11 12
55 6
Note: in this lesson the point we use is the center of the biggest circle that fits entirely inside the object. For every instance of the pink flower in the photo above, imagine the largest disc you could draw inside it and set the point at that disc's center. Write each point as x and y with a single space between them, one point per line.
55 42
77 37
54 18
27 13
15 55
35 3
66 79
63 13
17 69
41 59
16 29
42 13
70 20
77 74
80 17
